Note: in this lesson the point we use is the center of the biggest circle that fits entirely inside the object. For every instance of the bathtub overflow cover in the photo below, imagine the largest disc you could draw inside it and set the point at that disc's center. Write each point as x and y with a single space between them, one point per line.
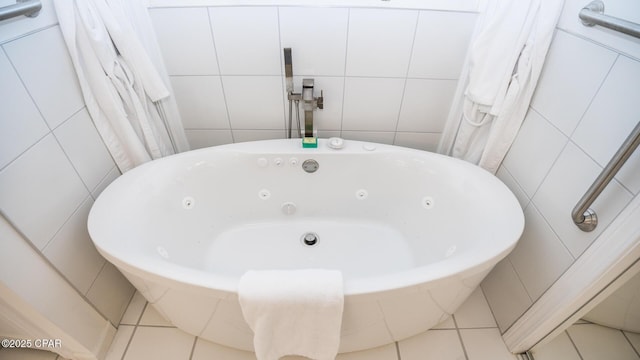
310 239
310 166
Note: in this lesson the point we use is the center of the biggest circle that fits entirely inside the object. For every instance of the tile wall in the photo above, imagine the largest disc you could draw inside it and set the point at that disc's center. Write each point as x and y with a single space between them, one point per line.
388 75
584 107
53 163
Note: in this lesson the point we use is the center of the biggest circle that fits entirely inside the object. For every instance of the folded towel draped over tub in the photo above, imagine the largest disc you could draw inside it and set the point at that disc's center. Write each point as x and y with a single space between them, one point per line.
293 312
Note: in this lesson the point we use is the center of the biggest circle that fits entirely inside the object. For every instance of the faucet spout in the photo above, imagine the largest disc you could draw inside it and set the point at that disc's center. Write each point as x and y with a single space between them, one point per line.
309 105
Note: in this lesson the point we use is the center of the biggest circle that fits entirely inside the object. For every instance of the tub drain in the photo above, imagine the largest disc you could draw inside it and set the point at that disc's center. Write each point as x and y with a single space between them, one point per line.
310 239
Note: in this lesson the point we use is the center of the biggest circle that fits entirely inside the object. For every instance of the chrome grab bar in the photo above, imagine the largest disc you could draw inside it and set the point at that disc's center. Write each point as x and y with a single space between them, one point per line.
593 14
30 8
584 217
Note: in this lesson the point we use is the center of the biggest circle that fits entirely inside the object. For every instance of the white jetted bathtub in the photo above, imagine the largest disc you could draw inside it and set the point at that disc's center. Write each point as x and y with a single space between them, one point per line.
413 232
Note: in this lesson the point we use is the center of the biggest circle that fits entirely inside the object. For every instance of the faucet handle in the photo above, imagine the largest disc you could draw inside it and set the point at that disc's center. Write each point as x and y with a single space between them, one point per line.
320 101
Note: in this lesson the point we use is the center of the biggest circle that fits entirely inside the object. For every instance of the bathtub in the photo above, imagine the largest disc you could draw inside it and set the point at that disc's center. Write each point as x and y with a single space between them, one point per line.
413 232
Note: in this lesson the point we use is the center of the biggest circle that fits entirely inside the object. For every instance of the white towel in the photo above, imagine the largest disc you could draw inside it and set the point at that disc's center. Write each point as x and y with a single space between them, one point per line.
293 312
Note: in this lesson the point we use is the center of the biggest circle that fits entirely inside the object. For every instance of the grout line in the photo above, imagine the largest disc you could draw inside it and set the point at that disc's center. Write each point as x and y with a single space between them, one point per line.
398 351
155 6
283 87
135 328
193 347
29 33
344 72
464 349
637 351
406 75
600 44
574 344
595 94
224 94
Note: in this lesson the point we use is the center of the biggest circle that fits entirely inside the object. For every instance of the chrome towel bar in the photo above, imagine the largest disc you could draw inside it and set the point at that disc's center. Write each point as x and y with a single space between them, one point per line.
584 217
30 8
593 14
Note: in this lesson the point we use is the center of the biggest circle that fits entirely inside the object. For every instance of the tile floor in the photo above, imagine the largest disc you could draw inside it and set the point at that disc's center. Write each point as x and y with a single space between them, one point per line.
470 334
587 341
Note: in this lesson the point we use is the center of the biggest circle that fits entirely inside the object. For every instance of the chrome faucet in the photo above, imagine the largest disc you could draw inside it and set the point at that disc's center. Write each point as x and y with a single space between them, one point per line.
309 102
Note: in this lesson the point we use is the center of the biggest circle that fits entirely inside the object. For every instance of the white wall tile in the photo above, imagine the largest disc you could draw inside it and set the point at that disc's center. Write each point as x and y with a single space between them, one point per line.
200 102
610 119
53 84
624 9
558 348
247 40
20 122
256 135
72 252
505 294
186 43
442 40
18 26
527 161
539 242
568 82
570 177
475 312
426 104
199 139
40 190
108 179
329 118
377 137
111 293
84 147
420 141
595 342
506 177
254 102
485 344
30 276
372 104
380 42
159 344
205 350
317 38
432 345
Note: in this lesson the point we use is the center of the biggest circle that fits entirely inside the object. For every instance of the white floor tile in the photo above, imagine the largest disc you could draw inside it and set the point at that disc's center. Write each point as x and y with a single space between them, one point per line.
205 350
597 342
159 343
387 352
559 348
120 342
475 312
485 344
432 345
152 317
134 310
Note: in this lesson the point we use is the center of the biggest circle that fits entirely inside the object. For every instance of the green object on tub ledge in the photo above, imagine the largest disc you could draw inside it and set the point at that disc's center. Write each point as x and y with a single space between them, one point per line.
310 142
